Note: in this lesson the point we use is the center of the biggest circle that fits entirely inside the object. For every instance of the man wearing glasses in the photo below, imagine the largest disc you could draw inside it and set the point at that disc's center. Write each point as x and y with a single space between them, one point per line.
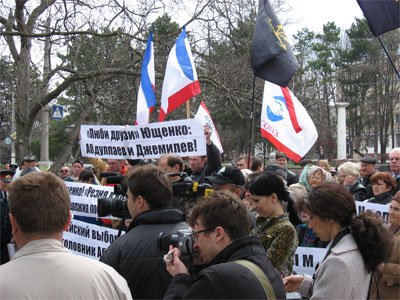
221 240
64 172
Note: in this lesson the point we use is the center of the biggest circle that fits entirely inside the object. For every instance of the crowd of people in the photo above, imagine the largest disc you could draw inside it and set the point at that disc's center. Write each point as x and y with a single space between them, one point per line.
240 240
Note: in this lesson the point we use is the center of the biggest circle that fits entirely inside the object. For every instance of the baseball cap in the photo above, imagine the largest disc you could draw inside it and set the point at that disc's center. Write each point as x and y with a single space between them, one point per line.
228 175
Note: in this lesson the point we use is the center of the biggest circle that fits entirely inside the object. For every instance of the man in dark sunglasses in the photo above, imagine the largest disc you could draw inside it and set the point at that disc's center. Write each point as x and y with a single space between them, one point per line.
64 172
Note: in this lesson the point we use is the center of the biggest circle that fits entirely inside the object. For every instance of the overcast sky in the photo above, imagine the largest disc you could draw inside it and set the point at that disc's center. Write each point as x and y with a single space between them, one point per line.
313 14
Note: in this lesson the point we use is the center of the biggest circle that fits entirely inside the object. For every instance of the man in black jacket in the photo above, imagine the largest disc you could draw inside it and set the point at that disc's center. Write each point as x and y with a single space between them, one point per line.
221 228
367 169
136 255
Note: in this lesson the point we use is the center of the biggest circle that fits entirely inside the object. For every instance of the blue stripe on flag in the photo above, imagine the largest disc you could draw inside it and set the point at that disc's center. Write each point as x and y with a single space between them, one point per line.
147 86
183 57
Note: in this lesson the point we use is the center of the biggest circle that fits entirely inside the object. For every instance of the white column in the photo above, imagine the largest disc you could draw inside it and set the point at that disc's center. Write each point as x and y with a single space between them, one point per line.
341 129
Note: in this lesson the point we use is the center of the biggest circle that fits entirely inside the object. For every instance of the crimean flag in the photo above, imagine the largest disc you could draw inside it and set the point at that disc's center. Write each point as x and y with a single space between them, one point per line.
180 80
271 55
146 95
382 15
204 116
286 123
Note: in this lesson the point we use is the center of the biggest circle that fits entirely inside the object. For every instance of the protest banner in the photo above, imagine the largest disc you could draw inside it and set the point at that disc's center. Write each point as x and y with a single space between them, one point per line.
380 209
181 137
88 240
306 258
84 197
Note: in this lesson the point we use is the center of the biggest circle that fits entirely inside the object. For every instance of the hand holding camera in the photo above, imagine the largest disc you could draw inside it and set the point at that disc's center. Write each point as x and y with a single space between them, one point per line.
173 263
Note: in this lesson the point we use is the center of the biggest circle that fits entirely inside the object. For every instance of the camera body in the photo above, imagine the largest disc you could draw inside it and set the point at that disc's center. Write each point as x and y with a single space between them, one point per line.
182 240
186 187
116 206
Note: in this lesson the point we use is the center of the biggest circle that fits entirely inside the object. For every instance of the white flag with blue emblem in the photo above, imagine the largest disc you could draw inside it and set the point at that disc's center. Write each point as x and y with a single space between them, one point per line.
180 80
286 123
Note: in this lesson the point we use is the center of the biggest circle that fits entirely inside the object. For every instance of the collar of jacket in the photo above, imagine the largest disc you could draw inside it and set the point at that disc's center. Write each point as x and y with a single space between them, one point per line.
239 249
382 196
160 216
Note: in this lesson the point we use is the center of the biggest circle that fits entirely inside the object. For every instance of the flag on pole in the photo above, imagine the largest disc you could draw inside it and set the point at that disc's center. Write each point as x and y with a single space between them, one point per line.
180 80
286 123
146 95
271 56
203 115
381 15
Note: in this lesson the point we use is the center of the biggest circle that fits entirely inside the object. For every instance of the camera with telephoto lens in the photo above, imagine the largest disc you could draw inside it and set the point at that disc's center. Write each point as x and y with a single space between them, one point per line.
182 240
186 187
117 205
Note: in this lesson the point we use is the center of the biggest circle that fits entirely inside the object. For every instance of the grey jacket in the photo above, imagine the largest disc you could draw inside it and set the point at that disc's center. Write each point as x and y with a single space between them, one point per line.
342 275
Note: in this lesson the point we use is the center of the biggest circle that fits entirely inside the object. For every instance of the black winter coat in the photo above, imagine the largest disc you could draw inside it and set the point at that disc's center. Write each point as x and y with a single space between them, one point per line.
224 279
358 191
136 254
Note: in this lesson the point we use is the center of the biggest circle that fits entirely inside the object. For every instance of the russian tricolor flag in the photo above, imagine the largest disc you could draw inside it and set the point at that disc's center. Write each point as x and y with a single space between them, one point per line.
146 95
180 81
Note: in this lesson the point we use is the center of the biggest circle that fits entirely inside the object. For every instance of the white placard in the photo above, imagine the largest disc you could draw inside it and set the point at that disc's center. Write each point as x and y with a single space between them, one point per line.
181 137
306 258
88 240
380 209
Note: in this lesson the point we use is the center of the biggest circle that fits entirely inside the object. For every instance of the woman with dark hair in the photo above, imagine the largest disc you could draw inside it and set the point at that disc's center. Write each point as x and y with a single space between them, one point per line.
277 233
383 185
358 244
387 275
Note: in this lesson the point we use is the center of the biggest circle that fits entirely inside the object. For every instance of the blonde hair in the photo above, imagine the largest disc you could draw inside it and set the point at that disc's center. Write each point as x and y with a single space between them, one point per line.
350 168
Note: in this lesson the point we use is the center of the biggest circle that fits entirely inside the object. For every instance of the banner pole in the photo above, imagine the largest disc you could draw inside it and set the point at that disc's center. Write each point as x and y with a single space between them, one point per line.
252 120
187 110
388 55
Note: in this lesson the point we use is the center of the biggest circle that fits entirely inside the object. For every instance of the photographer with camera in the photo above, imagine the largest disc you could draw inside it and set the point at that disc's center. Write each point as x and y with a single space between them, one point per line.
237 265
136 255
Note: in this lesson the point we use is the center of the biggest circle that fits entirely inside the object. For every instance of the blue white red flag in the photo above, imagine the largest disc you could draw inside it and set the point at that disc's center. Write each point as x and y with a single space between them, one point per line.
286 123
180 80
146 96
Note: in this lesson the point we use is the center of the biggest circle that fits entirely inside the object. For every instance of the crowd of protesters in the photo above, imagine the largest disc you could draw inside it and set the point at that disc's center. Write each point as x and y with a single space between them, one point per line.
243 237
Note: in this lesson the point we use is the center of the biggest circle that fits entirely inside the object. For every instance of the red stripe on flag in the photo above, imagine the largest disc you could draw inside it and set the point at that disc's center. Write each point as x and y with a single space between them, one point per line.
290 107
162 115
281 147
183 95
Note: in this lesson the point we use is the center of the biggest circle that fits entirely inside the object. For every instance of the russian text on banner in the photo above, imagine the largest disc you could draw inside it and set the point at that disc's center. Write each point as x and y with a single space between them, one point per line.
271 55
204 117
146 95
180 80
379 209
88 240
181 137
84 197
286 123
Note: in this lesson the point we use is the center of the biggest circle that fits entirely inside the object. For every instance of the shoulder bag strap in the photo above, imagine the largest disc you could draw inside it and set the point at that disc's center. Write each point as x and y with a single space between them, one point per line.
262 278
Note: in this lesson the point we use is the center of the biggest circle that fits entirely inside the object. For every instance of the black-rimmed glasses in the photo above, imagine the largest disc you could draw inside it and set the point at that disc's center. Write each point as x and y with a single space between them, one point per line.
196 233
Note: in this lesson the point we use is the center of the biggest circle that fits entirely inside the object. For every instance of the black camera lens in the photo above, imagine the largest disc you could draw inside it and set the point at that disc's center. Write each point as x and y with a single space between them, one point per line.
115 207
